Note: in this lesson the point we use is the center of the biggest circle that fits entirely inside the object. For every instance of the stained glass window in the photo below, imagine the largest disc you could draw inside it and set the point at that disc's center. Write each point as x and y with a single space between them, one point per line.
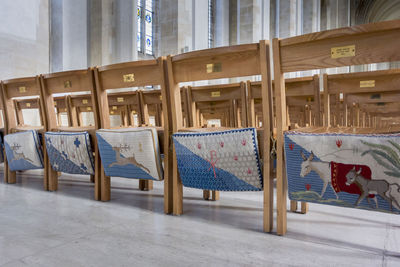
145 26
139 25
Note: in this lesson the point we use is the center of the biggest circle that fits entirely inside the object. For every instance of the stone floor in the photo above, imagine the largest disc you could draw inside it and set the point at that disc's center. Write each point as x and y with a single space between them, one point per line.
69 228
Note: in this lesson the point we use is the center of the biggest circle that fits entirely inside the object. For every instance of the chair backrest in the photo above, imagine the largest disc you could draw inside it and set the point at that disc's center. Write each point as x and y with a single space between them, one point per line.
226 102
364 92
127 75
361 44
302 97
22 87
68 82
125 104
21 104
151 104
62 107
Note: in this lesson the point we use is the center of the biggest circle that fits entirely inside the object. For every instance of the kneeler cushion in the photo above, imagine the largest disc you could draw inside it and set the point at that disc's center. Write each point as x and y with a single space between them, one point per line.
219 160
23 151
346 170
130 153
70 152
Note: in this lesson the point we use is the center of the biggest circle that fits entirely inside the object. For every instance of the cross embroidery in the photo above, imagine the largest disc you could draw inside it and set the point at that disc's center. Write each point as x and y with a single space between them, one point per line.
77 142
213 154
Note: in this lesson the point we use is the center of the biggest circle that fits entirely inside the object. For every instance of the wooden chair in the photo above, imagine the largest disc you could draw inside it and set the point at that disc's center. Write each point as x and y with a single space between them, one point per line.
62 108
151 103
224 102
127 75
302 97
30 104
64 83
125 104
362 44
218 63
363 92
14 88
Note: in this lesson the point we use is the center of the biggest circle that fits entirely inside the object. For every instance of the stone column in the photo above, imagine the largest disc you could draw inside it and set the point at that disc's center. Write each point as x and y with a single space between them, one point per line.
221 26
75 34
56 35
200 25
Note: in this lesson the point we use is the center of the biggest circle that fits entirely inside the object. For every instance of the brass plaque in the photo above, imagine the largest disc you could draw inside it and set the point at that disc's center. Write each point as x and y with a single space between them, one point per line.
67 84
310 99
114 107
28 105
370 83
88 108
55 103
120 99
216 94
214 67
84 101
22 89
111 112
343 51
128 78
160 97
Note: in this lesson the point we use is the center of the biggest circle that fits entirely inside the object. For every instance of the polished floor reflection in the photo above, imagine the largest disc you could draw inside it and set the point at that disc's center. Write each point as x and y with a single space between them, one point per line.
69 228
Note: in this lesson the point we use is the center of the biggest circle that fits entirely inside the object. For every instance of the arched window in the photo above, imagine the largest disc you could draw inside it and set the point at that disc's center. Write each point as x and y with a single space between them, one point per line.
145 26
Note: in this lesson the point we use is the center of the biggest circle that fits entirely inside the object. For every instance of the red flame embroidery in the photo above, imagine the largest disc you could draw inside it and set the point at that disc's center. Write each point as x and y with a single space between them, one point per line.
308 186
249 171
221 144
199 146
235 158
338 143
291 146
244 142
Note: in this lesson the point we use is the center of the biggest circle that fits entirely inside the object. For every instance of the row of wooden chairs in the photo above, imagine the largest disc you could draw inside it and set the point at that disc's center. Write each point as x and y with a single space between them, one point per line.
183 112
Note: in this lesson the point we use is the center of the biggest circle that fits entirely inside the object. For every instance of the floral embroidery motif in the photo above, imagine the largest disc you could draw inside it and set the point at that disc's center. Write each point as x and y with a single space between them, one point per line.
338 143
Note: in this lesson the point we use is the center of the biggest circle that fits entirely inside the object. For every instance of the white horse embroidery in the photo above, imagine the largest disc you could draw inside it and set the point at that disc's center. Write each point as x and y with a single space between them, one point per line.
322 168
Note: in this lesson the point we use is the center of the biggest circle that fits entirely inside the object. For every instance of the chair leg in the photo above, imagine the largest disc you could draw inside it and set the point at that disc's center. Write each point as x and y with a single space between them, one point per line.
145 185
268 201
92 179
206 194
304 207
5 172
293 205
105 187
177 189
149 185
11 176
98 170
215 195
53 179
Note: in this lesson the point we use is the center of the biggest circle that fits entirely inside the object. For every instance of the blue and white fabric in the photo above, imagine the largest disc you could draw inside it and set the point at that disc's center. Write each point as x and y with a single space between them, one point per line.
130 153
223 161
70 152
23 151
